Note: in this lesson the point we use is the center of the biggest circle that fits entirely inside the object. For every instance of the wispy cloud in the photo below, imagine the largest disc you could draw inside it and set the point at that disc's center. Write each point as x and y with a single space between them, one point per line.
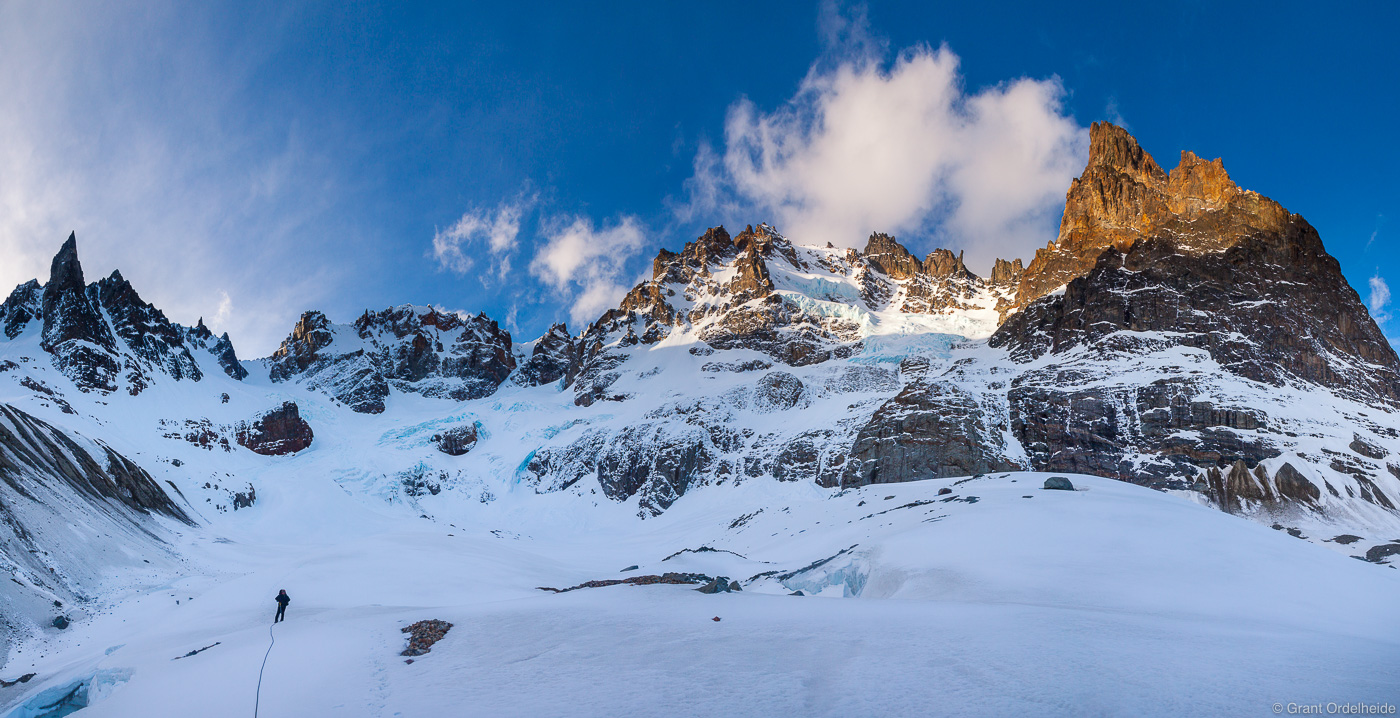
1114 115
585 264
1379 301
497 232
868 145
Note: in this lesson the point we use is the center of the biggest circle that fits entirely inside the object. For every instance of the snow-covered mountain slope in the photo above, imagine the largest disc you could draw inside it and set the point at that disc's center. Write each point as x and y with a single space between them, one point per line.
759 397
71 511
995 598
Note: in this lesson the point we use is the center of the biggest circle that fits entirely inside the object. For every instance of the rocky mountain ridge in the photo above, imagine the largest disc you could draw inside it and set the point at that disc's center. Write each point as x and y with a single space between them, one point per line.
414 349
1166 338
102 335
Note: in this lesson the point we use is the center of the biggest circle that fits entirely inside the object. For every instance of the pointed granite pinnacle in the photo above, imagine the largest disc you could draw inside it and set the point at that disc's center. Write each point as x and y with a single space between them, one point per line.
66 273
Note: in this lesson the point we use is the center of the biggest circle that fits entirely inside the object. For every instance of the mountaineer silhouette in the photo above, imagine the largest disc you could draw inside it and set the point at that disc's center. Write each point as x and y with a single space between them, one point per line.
282 600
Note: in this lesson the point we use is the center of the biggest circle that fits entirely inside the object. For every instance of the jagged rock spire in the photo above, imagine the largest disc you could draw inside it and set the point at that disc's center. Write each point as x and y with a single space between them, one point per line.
66 272
1123 197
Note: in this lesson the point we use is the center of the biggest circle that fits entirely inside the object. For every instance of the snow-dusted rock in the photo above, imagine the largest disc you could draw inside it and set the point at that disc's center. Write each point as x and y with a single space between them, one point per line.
413 349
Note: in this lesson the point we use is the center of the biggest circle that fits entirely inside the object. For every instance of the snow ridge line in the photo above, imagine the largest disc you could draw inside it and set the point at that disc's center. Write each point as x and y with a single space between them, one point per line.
258 695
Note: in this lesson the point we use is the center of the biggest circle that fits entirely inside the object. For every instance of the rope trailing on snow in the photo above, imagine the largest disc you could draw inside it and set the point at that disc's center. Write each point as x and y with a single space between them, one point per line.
258 696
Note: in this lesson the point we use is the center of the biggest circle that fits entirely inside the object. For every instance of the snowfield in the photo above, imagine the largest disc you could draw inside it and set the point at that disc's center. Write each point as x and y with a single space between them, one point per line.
1110 600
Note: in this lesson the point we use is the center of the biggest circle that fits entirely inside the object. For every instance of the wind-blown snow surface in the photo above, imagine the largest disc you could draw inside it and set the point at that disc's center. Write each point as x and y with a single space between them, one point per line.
1112 599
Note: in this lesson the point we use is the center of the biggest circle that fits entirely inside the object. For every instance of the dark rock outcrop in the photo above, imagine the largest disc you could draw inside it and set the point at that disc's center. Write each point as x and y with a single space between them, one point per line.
932 429
24 305
456 441
553 357
1291 484
1272 309
1069 421
777 391
720 584
1367 449
277 432
156 343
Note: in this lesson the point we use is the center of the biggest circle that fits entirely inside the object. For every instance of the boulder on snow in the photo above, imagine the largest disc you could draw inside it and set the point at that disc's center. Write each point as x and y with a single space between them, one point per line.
720 584
61 622
456 441
1059 483
277 432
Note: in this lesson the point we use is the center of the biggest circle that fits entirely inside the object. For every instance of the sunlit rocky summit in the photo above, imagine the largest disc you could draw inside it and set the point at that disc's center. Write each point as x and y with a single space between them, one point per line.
1180 333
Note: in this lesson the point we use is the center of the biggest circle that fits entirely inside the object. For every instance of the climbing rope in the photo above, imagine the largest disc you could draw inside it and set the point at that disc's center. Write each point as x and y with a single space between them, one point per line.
258 696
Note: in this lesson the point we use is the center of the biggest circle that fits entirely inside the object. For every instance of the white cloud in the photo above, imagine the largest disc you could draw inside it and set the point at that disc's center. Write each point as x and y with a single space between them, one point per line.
1380 298
498 230
225 309
868 146
585 264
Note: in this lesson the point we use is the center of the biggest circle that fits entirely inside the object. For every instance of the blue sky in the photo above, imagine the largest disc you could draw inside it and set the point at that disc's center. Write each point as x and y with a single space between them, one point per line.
246 162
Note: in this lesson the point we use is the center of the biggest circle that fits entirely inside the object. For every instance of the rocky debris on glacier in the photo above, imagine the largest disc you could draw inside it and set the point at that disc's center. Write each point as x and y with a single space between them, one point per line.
647 580
1381 553
276 432
413 349
423 634
720 584
457 440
